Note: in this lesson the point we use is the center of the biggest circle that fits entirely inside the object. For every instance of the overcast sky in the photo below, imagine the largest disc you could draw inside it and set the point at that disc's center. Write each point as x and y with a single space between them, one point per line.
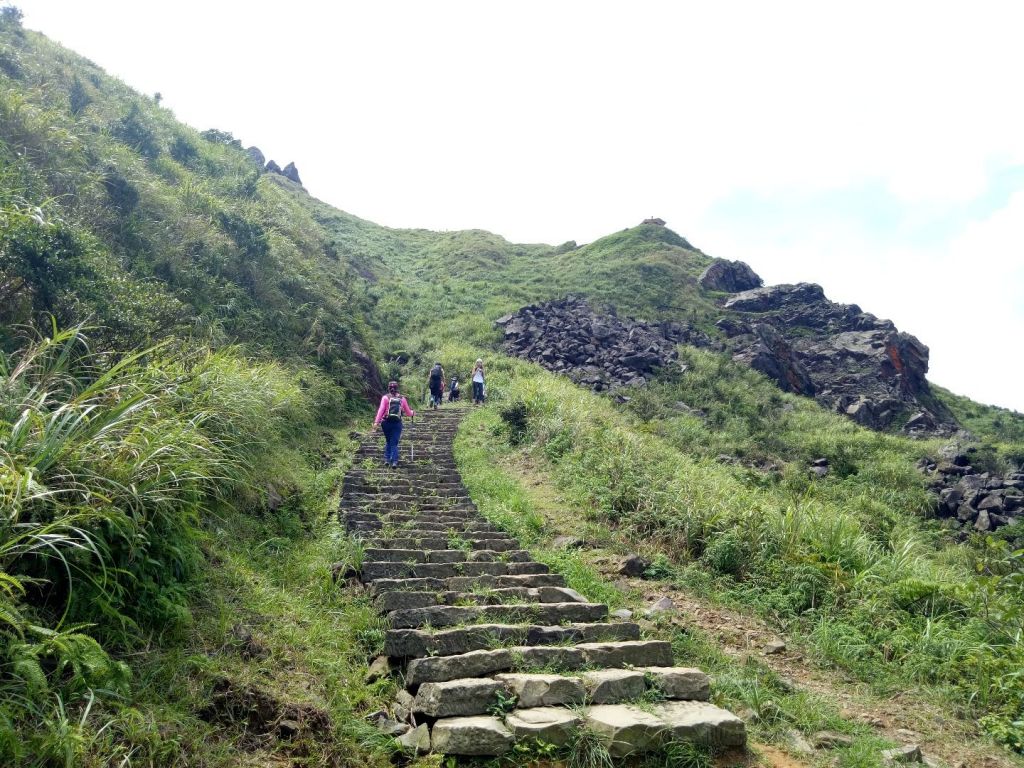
874 148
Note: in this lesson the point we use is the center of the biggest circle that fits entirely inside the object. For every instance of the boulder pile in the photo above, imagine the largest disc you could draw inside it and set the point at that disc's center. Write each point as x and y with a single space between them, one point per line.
598 350
982 501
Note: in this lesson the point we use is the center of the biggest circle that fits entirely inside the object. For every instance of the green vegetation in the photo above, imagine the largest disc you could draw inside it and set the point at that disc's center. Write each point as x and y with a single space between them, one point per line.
1001 430
848 563
172 433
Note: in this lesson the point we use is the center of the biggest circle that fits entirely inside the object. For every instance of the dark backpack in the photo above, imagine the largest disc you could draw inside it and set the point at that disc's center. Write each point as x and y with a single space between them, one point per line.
394 409
435 376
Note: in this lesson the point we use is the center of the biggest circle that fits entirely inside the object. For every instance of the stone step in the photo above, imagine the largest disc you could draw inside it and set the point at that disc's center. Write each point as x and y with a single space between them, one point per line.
370 478
372 570
416 505
636 653
447 517
629 730
418 643
505 544
421 499
465 530
396 599
518 613
471 736
370 530
418 487
468 583
445 555
470 696
477 695
625 729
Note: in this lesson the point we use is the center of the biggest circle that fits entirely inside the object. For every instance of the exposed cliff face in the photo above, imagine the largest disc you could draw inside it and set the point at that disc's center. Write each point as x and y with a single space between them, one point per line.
848 360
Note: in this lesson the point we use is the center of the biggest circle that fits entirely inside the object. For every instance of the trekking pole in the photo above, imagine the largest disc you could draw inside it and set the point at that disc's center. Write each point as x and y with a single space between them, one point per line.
412 439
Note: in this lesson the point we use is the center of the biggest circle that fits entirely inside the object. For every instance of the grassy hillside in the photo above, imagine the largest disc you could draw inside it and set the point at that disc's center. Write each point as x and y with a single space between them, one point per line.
849 563
185 341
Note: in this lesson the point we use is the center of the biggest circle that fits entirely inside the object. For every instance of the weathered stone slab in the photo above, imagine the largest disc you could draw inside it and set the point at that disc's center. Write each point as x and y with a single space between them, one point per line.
680 682
552 725
450 642
395 555
611 686
536 690
534 613
456 697
554 657
639 653
591 632
437 669
484 736
398 600
625 729
702 723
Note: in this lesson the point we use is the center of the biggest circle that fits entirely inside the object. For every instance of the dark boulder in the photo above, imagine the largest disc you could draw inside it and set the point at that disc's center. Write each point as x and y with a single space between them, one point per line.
729 276
291 172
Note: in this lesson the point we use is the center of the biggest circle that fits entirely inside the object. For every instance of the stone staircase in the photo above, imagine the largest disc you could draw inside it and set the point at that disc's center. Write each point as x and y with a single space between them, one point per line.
490 648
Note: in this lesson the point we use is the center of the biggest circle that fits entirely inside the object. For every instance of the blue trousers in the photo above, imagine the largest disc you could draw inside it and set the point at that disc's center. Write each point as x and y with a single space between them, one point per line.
392 434
478 391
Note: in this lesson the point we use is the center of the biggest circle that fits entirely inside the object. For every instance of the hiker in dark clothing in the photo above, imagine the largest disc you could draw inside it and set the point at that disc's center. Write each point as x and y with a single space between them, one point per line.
435 381
478 381
389 418
454 392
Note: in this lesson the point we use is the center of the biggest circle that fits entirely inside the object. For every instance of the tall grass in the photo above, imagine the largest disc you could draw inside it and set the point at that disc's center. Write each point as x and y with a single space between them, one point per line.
108 467
849 561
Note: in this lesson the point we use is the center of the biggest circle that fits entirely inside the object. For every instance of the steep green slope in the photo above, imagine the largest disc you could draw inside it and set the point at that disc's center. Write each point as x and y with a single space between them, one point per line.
116 214
165 528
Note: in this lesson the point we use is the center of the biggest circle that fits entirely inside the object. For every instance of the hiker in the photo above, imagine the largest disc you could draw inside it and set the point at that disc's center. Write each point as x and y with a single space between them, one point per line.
389 418
436 383
478 381
454 392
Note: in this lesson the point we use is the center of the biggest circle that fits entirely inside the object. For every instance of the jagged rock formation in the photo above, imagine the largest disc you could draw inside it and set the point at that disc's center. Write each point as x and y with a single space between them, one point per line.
477 628
729 276
976 501
291 172
598 350
848 360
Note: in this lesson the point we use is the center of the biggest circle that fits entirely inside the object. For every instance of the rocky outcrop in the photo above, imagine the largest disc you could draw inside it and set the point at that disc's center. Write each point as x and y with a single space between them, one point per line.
729 276
291 172
849 360
598 350
256 156
975 501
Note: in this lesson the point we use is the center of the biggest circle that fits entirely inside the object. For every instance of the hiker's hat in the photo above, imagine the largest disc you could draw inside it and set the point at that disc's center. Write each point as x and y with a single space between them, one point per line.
392 386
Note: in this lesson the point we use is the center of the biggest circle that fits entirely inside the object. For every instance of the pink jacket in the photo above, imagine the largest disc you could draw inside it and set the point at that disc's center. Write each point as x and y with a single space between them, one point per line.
383 410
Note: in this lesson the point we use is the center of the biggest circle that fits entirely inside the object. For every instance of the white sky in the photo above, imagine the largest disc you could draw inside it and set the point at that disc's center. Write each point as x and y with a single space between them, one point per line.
874 148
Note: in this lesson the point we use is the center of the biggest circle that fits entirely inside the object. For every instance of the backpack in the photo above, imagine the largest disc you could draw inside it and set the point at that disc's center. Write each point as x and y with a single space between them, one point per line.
435 376
394 409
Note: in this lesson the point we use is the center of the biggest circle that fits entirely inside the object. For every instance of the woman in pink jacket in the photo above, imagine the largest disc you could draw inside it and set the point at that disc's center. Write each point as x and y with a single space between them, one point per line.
389 418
